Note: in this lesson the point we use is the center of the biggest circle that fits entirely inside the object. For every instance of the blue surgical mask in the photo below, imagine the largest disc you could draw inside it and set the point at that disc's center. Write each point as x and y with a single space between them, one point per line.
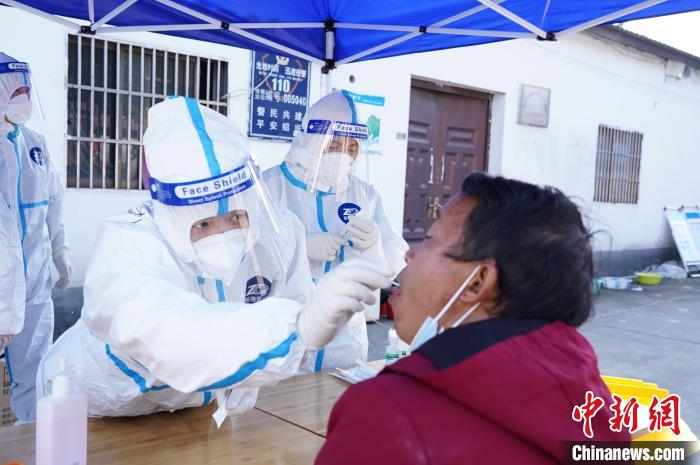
430 327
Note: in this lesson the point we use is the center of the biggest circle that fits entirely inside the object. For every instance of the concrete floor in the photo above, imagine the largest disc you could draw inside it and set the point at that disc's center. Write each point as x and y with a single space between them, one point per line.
652 335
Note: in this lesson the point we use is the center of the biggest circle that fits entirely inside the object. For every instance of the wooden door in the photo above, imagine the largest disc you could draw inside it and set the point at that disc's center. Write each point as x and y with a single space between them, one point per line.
447 140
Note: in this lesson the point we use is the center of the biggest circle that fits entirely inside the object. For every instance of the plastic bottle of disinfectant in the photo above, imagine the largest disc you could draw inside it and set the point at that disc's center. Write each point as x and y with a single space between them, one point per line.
61 423
392 352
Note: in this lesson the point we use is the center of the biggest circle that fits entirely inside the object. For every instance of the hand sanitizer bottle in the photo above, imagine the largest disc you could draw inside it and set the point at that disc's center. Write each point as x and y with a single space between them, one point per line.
61 423
393 352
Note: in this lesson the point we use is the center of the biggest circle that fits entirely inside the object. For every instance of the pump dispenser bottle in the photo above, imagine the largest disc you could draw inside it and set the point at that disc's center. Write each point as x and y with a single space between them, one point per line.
61 423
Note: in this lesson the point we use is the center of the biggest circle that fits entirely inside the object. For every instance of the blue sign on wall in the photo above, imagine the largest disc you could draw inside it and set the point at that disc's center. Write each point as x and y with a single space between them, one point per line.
279 96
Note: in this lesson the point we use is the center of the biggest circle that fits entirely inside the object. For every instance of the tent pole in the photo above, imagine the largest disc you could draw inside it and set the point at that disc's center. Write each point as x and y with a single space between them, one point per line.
275 45
412 35
189 11
112 14
240 32
377 27
435 30
610 17
513 17
278 25
480 33
157 28
91 10
327 70
42 14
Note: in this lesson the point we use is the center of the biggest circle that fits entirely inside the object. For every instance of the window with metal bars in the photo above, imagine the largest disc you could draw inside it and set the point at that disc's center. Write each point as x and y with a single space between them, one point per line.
617 166
111 86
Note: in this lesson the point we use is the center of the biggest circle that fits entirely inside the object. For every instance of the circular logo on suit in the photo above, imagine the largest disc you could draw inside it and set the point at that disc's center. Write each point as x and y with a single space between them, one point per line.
37 156
256 289
348 210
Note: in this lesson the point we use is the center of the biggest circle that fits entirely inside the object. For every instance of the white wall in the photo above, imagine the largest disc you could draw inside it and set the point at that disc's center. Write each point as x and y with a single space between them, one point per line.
591 82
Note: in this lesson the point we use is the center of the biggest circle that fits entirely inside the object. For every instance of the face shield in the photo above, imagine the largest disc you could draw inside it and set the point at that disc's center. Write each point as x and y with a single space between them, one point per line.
19 97
248 226
332 150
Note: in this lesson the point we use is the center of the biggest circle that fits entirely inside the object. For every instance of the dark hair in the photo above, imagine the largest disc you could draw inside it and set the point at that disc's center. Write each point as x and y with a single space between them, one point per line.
540 245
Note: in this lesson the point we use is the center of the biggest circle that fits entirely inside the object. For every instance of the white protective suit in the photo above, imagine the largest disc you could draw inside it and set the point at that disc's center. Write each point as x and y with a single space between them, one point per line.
323 211
33 189
12 289
157 332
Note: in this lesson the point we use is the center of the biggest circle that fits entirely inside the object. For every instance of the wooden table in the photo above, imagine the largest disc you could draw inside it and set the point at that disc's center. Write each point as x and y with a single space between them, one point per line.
305 401
287 426
184 437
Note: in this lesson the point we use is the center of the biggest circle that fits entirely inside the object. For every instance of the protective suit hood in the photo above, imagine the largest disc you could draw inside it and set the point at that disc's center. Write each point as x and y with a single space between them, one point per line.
186 145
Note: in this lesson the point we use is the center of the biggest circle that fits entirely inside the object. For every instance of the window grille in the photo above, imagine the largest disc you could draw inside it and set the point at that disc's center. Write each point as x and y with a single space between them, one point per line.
617 167
111 86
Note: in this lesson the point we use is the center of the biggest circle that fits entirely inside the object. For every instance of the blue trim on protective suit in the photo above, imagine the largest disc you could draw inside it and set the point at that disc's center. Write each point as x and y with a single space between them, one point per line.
207 145
35 204
218 285
290 177
319 360
207 398
220 291
351 103
9 368
249 367
138 379
12 137
319 213
297 182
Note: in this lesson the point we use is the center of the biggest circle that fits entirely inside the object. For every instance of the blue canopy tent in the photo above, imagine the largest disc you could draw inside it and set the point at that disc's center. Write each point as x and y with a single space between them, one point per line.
335 32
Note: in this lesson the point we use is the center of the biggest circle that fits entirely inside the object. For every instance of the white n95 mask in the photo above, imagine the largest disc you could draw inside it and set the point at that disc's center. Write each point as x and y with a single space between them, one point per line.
334 171
221 254
19 109
430 327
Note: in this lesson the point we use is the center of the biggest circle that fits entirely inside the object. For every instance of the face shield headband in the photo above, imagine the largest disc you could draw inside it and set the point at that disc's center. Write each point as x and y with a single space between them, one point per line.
202 191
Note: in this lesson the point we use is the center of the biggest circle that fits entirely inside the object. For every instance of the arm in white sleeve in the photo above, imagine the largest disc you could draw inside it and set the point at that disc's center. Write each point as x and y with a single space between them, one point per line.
138 300
57 232
394 245
299 285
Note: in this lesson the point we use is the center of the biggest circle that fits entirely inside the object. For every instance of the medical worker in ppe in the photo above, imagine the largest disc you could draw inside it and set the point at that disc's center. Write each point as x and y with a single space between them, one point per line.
206 291
342 214
33 190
